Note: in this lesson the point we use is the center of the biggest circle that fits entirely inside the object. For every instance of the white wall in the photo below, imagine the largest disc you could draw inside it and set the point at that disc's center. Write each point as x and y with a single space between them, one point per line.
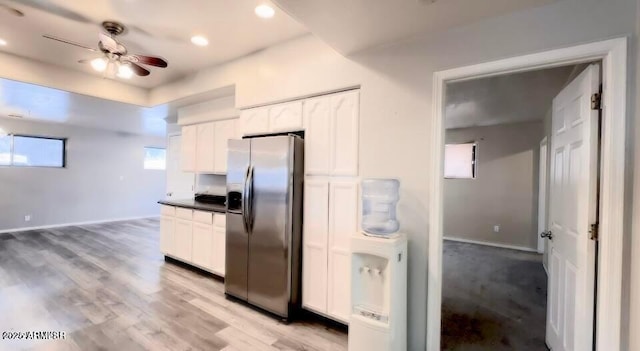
104 179
505 190
396 89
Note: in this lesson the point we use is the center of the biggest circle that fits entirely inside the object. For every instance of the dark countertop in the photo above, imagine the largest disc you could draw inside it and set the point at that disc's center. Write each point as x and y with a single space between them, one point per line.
196 205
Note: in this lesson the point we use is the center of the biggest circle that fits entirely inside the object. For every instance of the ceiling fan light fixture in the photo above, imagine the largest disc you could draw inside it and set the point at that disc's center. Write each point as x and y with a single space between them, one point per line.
199 40
125 71
264 11
99 64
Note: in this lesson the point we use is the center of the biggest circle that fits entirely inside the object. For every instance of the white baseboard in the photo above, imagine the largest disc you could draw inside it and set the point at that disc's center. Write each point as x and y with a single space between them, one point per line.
503 246
24 229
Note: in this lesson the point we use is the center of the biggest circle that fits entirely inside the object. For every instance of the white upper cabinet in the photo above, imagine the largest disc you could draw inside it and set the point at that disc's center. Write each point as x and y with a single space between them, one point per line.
204 146
188 148
331 125
317 143
224 130
345 111
285 117
254 121
205 149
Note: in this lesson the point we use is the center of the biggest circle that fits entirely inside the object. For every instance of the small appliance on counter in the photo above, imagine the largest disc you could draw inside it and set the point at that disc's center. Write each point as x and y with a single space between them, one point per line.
379 200
378 293
211 199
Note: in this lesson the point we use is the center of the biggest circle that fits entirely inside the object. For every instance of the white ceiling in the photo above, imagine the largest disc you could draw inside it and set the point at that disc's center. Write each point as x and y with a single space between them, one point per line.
352 25
513 98
157 27
33 102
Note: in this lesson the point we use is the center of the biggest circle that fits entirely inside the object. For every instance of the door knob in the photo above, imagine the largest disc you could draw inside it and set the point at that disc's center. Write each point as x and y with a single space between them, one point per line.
547 234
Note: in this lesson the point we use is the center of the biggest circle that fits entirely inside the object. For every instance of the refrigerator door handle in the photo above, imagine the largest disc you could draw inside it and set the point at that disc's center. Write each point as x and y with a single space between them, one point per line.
245 201
250 214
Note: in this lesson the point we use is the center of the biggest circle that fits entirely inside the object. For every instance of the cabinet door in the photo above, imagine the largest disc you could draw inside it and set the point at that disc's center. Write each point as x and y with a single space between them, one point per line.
219 251
317 124
343 223
285 117
167 224
188 148
183 239
314 249
254 121
205 150
345 112
224 131
202 244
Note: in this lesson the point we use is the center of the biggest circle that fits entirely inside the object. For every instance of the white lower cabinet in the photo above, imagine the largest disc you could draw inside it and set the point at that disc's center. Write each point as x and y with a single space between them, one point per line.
218 249
330 219
202 244
183 239
194 237
315 231
167 229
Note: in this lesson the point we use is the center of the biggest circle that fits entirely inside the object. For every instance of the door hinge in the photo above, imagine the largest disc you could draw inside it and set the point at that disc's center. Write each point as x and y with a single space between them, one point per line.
596 101
594 232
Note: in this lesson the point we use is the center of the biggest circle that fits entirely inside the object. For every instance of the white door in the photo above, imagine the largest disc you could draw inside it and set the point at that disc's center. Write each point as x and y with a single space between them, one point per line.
315 240
572 209
180 184
542 195
343 224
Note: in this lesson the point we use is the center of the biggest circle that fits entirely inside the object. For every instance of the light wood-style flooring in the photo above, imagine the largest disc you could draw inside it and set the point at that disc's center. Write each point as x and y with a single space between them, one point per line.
108 287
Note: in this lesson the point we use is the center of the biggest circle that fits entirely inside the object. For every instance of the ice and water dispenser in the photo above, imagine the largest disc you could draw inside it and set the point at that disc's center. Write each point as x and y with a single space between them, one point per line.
378 273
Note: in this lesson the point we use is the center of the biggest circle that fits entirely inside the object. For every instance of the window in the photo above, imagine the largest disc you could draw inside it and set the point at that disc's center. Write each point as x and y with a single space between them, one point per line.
460 161
31 151
155 158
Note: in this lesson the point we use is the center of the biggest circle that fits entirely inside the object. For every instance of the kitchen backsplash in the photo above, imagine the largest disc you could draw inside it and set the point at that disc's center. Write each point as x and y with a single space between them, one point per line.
211 184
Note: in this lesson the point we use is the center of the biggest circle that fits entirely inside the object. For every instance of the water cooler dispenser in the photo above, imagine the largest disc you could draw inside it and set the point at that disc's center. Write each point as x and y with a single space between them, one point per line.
378 293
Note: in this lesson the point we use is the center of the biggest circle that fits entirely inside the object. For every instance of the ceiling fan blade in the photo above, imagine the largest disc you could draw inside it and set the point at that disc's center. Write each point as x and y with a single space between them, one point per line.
12 10
69 42
108 42
149 60
139 70
52 8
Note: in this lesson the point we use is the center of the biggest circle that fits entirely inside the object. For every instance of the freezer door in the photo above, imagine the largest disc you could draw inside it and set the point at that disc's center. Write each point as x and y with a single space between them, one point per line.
237 239
271 223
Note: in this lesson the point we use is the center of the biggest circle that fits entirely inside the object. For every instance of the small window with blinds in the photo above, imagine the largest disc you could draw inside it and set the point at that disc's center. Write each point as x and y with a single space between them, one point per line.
460 161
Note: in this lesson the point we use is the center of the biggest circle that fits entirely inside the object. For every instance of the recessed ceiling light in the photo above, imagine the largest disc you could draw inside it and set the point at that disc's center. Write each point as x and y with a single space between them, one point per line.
265 11
3 42
199 40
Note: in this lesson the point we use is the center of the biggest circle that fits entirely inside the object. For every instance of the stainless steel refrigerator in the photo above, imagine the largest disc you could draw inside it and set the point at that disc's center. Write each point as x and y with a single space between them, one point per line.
264 222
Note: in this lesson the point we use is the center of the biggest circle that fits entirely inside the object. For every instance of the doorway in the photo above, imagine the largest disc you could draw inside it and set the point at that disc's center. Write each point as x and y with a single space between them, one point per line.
613 56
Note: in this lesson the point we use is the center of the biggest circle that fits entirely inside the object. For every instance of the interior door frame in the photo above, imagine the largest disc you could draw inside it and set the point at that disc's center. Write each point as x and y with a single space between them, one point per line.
613 53
543 166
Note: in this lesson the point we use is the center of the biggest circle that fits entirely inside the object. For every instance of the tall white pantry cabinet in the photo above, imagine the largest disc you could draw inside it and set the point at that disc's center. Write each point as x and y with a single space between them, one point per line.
331 191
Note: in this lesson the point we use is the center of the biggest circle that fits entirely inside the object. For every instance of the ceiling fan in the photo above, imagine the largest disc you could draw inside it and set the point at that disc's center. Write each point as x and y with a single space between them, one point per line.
116 61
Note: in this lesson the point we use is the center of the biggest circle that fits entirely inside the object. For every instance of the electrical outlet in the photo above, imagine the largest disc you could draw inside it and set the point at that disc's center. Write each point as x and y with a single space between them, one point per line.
27 218
496 228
